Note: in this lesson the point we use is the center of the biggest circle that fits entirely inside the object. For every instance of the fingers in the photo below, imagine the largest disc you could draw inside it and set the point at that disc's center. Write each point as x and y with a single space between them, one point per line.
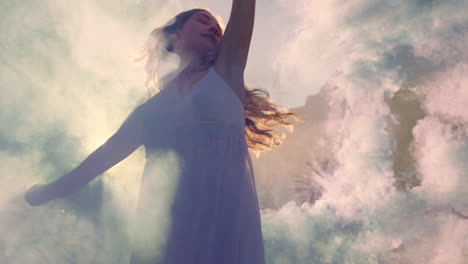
34 196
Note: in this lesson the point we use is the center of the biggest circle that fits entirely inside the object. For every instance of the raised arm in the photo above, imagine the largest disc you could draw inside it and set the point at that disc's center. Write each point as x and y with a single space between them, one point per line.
235 44
124 142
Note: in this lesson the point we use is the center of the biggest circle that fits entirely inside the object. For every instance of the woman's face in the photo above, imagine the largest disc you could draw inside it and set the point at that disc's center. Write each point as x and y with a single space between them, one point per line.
200 33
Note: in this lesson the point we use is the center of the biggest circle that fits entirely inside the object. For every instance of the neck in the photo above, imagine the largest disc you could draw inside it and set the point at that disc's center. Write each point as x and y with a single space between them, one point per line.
193 63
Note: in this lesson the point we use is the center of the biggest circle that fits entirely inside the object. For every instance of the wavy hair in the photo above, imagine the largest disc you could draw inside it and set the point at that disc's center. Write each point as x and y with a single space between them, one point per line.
261 113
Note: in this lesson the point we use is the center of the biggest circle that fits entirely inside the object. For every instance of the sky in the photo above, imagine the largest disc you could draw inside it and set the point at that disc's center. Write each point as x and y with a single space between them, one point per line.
392 73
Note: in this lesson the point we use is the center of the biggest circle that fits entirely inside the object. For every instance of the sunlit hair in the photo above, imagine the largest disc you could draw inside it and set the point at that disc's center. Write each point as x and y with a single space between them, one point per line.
261 113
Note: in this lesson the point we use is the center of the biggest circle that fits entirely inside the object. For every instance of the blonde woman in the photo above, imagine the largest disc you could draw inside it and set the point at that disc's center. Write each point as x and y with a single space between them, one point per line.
196 127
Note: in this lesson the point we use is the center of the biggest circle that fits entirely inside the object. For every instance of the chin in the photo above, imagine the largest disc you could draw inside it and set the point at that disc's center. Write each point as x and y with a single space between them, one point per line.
206 49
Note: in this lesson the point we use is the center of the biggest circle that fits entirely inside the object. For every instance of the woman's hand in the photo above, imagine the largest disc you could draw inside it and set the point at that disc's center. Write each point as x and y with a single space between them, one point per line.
37 195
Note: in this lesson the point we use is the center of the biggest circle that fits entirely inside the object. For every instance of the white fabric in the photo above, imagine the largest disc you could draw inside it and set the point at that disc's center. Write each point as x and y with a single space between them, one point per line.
198 202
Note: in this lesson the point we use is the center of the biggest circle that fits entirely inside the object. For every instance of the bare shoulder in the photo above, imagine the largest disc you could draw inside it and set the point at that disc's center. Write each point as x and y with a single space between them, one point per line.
233 77
148 106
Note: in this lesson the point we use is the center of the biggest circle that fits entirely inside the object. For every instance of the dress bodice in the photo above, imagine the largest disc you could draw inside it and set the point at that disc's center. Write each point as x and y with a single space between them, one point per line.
209 101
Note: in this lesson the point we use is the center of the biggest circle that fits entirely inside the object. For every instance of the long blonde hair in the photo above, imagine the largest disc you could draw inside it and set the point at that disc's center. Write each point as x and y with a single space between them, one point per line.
261 113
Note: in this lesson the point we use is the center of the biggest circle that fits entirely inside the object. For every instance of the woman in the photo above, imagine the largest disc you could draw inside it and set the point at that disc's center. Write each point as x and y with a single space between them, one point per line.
198 191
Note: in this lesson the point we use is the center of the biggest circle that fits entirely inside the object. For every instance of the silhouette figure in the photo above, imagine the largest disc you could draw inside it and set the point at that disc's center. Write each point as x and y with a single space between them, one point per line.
198 201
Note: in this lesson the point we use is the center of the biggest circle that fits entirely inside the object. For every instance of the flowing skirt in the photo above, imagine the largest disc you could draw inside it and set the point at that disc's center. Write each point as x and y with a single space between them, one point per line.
198 203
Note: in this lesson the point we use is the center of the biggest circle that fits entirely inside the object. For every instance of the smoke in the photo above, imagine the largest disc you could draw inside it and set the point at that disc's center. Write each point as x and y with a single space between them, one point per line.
67 84
388 159
393 75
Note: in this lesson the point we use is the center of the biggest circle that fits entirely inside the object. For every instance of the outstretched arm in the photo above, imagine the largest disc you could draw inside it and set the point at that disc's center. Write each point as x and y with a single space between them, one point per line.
235 44
124 142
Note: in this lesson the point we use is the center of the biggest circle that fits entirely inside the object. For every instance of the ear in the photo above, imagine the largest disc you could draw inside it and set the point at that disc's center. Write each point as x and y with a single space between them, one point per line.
171 41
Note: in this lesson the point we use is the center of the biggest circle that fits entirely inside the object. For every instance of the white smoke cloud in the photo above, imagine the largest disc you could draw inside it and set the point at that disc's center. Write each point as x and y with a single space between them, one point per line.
447 247
360 128
440 143
316 49
441 157
67 83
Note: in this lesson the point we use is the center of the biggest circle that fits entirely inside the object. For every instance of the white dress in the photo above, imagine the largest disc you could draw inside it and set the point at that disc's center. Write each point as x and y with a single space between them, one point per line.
198 203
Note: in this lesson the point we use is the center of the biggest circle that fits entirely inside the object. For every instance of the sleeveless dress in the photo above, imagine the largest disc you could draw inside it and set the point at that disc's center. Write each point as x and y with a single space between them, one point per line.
198 202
